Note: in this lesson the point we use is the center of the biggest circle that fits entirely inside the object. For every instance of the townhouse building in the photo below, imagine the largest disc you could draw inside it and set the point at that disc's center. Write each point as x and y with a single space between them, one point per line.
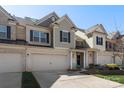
51 43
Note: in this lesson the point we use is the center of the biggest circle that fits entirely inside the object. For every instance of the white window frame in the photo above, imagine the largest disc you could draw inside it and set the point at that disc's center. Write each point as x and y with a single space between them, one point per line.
64 31
34 36
99 40
43 37
39 36
4 31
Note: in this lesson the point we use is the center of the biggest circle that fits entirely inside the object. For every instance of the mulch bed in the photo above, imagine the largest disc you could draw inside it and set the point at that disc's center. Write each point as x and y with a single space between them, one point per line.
103 72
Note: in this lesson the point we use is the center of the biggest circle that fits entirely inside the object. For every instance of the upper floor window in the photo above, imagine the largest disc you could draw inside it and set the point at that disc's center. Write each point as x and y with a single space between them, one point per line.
64 36
99 40
109 45
5 32
38 36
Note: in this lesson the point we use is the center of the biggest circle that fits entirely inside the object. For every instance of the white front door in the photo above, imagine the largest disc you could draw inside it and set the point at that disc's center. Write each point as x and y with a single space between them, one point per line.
90 57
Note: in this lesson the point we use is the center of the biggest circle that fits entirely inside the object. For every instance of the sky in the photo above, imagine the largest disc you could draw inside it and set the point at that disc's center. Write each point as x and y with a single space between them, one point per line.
112 17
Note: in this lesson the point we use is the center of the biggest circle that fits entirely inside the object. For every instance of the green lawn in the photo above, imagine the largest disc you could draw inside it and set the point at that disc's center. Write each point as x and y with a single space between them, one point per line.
116 78
29 81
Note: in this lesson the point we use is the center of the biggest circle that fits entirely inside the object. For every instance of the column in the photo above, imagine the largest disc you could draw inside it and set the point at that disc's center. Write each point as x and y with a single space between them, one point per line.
71 66
84 59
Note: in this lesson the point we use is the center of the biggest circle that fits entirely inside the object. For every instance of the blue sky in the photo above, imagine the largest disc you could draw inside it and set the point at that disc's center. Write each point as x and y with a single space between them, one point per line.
111 17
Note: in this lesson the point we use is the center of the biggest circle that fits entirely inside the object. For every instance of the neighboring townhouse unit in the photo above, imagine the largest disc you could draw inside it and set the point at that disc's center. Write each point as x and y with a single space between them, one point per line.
51 43
101 47
28 44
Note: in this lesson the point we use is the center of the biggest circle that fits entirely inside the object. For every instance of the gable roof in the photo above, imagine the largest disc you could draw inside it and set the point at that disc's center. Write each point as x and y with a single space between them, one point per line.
65 17
47 17
80 29
94 29
6 13
23 21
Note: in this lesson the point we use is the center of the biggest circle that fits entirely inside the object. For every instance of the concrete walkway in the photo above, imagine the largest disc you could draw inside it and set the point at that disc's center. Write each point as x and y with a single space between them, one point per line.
10 80
73 80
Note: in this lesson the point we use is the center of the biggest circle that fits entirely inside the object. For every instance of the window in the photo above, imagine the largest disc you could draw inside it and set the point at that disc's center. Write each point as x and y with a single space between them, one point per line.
37 36
43 37
110 45
99 40
64 36
3 32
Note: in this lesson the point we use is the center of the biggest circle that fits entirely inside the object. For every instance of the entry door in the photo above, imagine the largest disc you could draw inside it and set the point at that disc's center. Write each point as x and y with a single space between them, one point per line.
91 57
78 60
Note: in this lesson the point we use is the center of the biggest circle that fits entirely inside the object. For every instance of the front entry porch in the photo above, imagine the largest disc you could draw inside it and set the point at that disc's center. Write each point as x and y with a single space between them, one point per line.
80 60
91 57
77 59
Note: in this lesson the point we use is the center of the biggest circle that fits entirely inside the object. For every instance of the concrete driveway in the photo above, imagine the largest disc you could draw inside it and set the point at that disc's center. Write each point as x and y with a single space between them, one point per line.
72 80
10 80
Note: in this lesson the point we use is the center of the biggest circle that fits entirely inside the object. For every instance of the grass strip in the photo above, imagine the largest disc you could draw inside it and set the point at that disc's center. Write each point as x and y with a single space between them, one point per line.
29 81
116 78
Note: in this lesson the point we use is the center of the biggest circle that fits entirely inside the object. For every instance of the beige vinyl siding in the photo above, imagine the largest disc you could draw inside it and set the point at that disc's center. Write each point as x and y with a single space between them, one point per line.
100 47
40 29
21 33
63 25
4 21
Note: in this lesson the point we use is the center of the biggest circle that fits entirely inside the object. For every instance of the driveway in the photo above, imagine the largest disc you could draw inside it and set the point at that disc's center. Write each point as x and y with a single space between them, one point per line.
10 80
72 80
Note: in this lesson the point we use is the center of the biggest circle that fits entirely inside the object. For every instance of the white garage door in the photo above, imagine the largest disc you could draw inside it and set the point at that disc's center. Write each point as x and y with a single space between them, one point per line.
49 62
104 59
10 62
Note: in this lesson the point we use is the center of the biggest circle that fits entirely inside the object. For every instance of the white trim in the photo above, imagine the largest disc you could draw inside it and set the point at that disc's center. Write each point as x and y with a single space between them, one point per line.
68 19
97 57
54 38
6 13
48 16
71 65
65 30
4 31
65 42
12 23
61 48
39 37
39 43
84 59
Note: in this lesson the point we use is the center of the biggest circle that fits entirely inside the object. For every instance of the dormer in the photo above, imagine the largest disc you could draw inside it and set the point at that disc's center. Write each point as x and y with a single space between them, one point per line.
98 35
64 33
47 20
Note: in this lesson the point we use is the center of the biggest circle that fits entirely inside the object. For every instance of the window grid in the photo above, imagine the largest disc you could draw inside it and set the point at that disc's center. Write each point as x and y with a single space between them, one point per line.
3 32
40 36
99 40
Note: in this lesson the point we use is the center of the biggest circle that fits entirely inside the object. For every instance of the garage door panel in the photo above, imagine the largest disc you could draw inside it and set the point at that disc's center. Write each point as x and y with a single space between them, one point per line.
10 62
49 62
105 59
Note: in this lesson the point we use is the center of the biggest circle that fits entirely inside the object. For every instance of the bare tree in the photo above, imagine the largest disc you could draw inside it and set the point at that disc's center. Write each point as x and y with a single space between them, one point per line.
118 50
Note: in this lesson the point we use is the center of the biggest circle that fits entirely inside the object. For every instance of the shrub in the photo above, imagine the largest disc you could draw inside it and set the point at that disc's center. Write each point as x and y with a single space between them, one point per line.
100 67
121 67
91 65
94 66
112 66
